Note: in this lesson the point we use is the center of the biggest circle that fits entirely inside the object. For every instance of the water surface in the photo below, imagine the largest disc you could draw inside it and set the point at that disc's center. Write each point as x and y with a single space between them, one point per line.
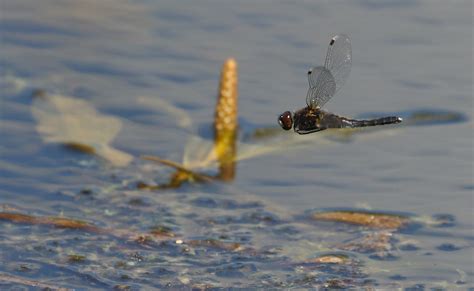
407 55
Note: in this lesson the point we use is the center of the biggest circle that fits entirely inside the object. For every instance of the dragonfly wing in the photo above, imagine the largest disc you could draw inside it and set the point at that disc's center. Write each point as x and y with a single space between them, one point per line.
322 86
339 59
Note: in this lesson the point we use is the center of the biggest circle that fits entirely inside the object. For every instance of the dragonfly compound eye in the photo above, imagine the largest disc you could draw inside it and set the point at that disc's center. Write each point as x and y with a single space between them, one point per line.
285 120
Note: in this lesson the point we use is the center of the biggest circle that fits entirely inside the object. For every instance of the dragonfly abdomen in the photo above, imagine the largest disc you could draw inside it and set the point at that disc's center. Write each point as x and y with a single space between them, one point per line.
374 122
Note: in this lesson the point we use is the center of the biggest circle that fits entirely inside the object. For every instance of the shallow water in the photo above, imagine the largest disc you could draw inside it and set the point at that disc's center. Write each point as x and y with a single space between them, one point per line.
407 55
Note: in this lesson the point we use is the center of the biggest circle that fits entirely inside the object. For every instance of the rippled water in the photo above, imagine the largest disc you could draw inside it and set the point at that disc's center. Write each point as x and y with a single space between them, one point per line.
408 56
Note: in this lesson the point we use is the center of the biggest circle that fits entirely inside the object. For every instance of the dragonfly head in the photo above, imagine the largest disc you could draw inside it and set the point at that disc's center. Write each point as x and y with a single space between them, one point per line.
285 120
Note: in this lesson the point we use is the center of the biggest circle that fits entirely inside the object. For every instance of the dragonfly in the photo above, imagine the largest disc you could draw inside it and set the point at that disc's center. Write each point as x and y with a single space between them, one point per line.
324 82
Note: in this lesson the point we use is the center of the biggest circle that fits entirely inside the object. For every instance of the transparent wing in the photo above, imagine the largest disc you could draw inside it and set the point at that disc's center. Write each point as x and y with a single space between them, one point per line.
339 59
325 81
322 86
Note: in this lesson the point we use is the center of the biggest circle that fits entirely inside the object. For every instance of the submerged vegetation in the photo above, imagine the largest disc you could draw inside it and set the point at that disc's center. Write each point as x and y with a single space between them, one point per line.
364 218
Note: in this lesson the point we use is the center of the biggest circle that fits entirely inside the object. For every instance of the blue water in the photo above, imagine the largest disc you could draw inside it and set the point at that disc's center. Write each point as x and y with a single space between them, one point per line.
407 55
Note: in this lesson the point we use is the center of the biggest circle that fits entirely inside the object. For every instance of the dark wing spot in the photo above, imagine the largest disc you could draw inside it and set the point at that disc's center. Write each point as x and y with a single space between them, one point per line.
332 41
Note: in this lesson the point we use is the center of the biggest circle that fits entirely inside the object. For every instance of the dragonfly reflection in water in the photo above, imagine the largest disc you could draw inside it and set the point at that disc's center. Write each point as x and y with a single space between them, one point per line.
324 82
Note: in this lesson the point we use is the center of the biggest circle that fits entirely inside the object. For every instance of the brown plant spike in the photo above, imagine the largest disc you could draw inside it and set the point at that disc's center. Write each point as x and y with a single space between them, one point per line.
225 121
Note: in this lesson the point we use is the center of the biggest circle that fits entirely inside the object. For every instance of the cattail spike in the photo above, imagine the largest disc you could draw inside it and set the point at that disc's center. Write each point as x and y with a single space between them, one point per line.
225 122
